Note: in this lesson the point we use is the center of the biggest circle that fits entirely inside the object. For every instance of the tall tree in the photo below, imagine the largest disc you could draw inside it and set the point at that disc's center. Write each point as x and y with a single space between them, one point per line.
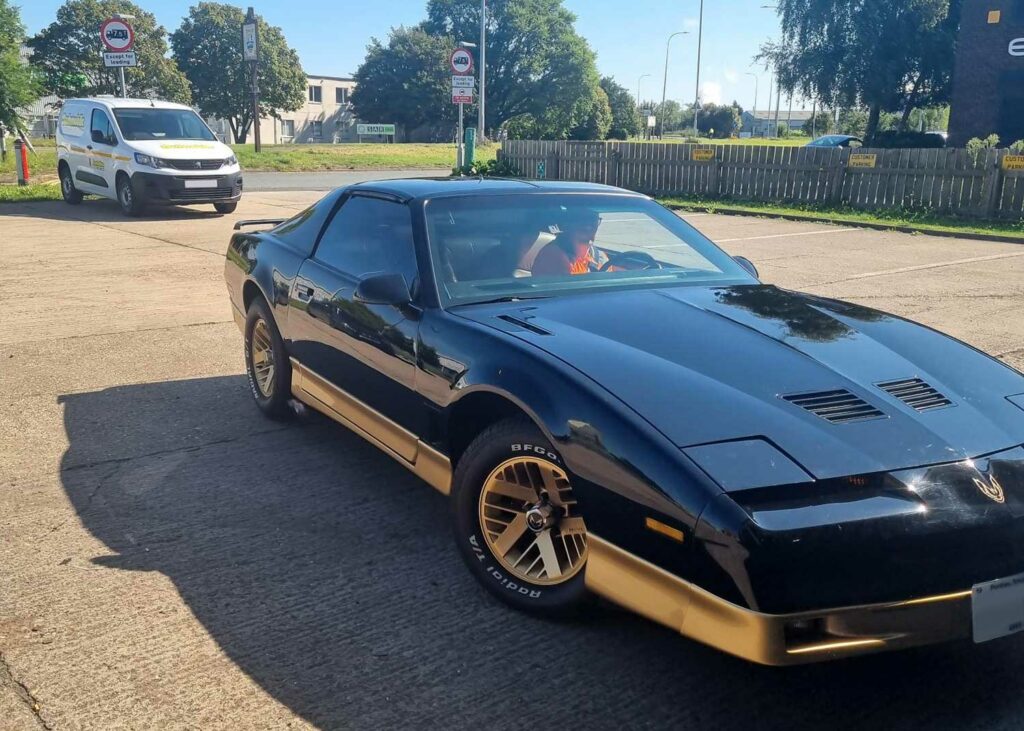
68 53
536 62
720 120
18 84
884 55
407 81
626 120
595 117
208 49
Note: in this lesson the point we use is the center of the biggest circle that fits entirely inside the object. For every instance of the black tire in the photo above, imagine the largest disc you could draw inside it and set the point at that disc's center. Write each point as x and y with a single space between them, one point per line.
68 190
272 401
226 207
506 440
126 198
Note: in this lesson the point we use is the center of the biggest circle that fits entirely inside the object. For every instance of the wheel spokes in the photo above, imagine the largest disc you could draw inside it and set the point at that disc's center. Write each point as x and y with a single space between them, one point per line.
263 358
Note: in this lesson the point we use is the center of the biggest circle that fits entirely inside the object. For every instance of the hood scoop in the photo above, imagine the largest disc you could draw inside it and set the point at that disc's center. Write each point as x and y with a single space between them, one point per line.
915 393
525 324
838 406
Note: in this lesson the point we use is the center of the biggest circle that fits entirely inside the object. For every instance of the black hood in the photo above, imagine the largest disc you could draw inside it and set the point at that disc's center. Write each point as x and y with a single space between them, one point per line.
711 364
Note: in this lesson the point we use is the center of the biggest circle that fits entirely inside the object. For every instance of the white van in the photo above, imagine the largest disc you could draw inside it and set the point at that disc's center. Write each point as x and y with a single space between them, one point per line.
141 152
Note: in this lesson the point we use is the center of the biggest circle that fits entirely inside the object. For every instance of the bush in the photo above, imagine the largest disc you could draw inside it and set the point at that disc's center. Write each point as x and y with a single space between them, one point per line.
1017 148
893 139
497 168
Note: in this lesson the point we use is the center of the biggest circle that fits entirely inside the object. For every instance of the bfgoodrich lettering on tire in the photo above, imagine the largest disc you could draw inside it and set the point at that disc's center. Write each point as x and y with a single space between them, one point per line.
517 523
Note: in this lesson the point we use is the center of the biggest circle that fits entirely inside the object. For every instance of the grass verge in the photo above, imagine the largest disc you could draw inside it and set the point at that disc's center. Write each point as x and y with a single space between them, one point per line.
33 192
896 219
353 156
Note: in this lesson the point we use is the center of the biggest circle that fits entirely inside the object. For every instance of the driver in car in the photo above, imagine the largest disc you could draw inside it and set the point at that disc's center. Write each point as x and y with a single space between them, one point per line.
572 251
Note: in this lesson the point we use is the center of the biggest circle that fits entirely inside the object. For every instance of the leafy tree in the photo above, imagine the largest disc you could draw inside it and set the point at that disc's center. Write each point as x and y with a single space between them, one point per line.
675 117
820 124
207 47
852 122
724 119
595 119
67 52
887 56
18 85
407 81
626 120
536 62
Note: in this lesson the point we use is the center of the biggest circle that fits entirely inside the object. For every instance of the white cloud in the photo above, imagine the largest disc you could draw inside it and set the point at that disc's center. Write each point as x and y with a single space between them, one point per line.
732 76
690 23
711 92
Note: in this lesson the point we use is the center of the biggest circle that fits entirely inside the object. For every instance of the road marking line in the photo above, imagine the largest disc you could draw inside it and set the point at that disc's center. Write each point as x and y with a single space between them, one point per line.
922 267
795 233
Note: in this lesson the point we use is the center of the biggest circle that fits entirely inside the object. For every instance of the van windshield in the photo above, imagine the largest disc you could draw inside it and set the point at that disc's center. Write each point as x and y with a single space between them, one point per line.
162 124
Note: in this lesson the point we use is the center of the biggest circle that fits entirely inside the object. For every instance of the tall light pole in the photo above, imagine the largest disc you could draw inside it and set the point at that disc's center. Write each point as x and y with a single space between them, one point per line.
664 80
753 112
483 69
642 77
700 39
778 96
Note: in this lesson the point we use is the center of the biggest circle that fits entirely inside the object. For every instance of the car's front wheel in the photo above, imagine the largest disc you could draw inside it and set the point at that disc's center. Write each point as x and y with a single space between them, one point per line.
517 522
130 203
266 362
226 206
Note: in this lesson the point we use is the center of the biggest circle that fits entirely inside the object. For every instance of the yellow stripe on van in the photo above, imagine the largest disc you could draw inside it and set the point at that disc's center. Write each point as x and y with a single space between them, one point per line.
101 154
122 157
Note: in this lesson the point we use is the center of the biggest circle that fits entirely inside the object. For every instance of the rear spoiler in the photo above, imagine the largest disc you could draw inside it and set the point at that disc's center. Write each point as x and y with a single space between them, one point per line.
259 222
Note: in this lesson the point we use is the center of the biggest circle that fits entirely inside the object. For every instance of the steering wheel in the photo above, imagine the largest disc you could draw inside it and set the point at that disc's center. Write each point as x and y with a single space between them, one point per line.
625 258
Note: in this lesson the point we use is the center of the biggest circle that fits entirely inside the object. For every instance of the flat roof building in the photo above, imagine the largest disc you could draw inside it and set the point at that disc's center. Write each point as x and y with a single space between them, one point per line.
988 81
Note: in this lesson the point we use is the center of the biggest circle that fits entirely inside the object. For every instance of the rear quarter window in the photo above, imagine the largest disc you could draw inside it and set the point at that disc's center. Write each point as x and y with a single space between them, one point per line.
73 121
300 232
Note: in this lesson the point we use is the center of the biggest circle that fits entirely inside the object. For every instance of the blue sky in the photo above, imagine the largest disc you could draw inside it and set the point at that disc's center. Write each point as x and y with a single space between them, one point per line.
628 36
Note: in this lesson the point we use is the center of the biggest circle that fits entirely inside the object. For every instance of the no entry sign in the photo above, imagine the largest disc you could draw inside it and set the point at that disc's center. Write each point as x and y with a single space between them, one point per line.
117 35
462 61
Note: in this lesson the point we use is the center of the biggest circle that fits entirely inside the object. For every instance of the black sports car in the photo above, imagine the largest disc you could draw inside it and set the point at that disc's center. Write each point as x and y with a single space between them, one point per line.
617 407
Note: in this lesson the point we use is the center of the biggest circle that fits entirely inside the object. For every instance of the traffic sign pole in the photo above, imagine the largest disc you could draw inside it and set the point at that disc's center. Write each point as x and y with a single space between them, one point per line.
250 52
124 89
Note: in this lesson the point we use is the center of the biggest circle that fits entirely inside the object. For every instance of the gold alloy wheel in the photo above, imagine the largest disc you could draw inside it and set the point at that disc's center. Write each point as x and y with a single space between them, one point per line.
263 358
527 516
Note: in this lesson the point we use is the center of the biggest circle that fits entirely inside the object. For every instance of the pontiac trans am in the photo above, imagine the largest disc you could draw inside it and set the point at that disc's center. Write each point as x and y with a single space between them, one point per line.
616 407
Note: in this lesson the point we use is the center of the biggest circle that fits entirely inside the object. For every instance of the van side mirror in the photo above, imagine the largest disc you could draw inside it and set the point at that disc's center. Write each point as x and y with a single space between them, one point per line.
748 265
383 289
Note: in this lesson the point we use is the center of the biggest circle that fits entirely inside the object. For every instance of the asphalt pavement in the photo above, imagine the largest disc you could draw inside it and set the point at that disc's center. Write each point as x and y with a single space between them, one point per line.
169 559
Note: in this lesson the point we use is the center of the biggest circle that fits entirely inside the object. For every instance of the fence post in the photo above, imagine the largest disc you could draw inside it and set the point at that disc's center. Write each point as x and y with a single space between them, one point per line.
993 185
835 190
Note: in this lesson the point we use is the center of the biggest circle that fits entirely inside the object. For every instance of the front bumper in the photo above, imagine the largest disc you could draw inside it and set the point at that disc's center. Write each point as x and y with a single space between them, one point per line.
772 639
158 189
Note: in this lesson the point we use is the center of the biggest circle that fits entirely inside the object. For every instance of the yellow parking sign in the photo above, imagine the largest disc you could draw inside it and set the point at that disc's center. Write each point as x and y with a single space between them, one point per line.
863 160
703 155
1013 162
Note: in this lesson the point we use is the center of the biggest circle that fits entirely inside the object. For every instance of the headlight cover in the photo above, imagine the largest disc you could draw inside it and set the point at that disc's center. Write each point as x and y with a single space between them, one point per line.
150 161
747 464
231 161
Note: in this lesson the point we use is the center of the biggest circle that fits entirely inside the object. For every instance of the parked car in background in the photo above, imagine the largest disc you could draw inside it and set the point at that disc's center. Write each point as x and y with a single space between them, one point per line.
143 152
837 141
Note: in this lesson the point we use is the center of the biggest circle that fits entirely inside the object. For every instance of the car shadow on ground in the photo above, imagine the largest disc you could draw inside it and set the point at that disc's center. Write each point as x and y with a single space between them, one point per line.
325 571
103 210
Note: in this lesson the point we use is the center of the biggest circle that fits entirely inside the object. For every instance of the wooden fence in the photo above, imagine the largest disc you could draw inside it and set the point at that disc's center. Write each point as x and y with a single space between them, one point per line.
987 185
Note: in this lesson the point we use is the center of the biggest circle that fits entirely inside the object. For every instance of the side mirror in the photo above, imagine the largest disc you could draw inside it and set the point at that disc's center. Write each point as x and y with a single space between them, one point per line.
383 289
97 136
748 265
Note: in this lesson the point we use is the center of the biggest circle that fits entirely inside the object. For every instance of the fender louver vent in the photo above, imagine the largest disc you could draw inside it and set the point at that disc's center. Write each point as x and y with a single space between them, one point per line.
915 393
838 406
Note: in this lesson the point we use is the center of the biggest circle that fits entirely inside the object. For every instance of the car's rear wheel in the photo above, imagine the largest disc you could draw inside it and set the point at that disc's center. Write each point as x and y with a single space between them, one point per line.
517 522
68 190
130 203
226 206
266 362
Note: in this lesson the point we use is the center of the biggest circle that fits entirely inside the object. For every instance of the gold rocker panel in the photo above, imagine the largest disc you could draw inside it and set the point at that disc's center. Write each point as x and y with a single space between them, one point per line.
426 462
656 594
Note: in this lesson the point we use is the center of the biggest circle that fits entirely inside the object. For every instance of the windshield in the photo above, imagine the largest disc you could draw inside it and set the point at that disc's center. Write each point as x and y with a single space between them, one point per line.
527 246
162 124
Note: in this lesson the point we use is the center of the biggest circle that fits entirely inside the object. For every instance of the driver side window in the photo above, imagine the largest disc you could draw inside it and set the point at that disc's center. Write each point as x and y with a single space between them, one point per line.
101 125
370 236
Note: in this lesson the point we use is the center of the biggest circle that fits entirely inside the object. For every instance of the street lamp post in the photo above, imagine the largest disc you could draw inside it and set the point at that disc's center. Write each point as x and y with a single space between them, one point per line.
638 104
483 69
664 81
753 112
700 39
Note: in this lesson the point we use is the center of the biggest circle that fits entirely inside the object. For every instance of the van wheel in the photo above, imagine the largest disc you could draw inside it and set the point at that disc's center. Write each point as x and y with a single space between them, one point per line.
226 207
71 194
130 205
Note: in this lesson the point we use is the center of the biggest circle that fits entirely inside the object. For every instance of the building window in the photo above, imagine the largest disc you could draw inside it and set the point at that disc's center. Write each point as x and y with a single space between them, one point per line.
316 130
287 127
341 95
316 94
